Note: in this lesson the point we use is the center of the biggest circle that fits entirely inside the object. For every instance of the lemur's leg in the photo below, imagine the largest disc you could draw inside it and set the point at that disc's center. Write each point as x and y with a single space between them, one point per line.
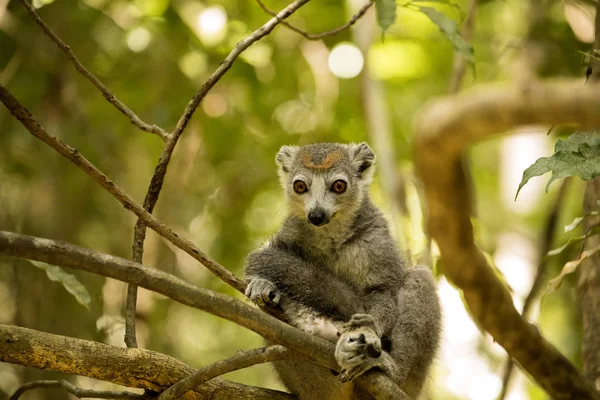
414 339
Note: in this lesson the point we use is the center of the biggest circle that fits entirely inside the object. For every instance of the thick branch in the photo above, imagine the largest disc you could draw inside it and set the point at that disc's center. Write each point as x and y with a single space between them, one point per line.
139 234
128 367
589 270
76 391
272 329
106 92
242 359
81 162
442 131
319 36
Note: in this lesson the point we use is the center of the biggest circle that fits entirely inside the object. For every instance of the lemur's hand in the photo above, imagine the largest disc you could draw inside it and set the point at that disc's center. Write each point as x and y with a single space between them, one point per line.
359 343
263 292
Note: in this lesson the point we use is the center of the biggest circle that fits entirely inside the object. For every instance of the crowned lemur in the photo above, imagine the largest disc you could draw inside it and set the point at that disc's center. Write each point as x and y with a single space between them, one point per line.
336 272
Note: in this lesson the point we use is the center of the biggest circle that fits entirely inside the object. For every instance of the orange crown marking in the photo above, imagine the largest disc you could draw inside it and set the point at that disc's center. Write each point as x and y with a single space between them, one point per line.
327 162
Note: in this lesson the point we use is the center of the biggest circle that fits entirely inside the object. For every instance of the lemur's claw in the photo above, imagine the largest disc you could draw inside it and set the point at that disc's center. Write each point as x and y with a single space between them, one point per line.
263 292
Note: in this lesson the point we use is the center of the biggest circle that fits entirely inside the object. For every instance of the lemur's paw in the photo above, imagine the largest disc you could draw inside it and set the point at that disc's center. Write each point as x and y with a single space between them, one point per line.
355 347
360 321
263 292
348 375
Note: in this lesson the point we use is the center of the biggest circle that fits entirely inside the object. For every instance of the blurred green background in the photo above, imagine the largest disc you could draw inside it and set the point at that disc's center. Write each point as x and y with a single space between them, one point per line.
222 191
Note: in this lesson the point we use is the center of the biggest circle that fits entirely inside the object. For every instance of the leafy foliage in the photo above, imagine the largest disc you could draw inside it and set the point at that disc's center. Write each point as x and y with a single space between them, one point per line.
569 268
579 155
67 280
386 13
450 29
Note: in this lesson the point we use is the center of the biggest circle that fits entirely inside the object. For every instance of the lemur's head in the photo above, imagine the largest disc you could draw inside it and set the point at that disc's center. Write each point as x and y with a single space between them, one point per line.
325 181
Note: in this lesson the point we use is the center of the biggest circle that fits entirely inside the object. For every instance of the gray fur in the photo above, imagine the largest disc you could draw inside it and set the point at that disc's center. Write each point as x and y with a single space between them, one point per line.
344 278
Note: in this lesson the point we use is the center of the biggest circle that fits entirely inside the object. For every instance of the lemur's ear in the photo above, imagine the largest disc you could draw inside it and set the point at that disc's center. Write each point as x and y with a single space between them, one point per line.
285 158
362 159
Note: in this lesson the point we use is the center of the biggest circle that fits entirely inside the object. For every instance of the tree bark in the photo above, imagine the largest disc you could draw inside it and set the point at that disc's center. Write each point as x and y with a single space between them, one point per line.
128 367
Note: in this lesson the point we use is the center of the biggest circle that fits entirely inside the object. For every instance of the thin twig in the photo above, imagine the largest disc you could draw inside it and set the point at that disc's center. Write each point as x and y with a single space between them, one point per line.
547 240
241 360
70 256
73 155
76 391
318 36
139 232
107 93
460 62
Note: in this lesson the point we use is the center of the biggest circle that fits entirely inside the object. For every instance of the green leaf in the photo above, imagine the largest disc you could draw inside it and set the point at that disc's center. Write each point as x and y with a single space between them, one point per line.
578 221
386 13
573 240
450 29
569 268
579 155
452 4
67 280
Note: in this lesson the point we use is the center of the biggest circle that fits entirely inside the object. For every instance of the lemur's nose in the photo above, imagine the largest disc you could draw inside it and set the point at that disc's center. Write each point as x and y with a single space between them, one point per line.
317 217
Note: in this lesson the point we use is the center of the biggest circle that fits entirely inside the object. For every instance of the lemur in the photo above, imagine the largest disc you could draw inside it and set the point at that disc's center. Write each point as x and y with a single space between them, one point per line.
335 271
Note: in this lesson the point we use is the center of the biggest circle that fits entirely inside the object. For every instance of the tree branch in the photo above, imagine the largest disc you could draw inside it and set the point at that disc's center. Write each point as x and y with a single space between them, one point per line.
442 132
139 234
547 240
107 93
241 360
71 256
589 270
460 62
73 155
128 367
319 36
76 391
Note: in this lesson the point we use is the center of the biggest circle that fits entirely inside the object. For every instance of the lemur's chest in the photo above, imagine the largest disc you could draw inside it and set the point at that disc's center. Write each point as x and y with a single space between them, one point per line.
352 261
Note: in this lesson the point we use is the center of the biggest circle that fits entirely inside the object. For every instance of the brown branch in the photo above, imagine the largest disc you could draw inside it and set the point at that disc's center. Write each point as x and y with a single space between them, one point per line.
76 391
136 368
107 93
139 234
460 62
589 276
71 256
241 360
442 132
547 240
319 36
81 162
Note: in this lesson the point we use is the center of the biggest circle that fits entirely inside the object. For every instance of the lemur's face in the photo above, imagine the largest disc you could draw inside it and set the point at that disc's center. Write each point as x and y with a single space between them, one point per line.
325 181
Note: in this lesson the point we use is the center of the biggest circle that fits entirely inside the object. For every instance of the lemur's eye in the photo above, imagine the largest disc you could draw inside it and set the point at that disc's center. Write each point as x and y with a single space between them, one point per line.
300 187
339 186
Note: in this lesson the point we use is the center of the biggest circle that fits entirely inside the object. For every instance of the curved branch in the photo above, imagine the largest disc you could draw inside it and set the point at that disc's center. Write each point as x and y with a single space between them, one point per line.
319 36
241 360
139 233
106 92
76 391
128 367
73 155
71 256
442 131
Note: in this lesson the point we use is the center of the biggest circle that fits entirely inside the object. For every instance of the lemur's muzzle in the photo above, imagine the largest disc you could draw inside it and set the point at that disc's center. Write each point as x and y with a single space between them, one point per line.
318 217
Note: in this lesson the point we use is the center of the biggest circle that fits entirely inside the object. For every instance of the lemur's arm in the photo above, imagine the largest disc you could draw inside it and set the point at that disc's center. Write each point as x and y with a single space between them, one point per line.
303 282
